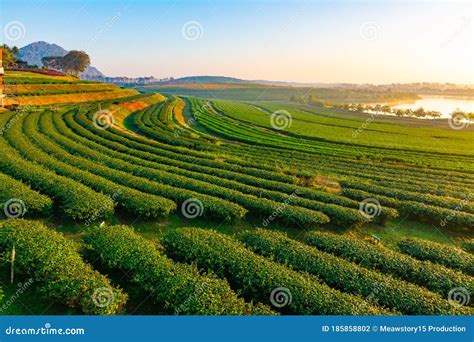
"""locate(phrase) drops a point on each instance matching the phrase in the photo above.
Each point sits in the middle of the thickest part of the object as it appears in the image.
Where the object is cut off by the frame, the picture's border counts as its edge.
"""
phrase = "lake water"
(444, 105)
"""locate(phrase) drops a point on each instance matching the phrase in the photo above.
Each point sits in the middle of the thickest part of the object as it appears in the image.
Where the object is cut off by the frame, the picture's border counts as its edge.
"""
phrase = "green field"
(195, 205)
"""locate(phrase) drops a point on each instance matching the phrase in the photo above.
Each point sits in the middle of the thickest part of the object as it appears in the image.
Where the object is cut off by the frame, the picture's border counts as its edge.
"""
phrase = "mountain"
(34, 52)
(91, 72)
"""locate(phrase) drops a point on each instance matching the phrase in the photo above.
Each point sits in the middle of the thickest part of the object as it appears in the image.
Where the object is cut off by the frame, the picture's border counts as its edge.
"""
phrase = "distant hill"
(208, 79)
(233, 80)
(34, 52)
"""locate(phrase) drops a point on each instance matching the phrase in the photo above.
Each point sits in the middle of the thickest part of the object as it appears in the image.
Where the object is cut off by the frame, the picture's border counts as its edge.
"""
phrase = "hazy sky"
(305, 41)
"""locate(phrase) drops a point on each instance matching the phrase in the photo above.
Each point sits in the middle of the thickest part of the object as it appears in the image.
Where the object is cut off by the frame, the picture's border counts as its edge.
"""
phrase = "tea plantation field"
(115, 201)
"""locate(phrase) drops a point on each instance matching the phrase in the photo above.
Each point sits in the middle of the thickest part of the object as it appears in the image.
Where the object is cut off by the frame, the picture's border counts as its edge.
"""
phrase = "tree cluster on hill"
(9, 54)
(322, 96)
(73, 62)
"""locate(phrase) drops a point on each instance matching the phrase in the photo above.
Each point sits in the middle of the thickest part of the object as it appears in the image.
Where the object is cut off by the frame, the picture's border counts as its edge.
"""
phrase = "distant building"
(20, 64)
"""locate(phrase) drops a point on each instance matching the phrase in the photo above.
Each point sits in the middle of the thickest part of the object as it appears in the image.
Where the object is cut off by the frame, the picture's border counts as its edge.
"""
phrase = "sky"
(281, 40)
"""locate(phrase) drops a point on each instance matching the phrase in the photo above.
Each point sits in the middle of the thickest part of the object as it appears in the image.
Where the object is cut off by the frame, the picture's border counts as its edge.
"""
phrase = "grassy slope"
(28, 82)
(31, 303)
(394, 133)
(269, 93)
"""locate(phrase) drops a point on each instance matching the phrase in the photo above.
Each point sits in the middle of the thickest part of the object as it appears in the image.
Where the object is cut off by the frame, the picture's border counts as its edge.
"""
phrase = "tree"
(360, 108)
(53, 62)
(9, 54)
(399, 112)
(434, 114)
(75, 62)
(386, 109)
(420, 112)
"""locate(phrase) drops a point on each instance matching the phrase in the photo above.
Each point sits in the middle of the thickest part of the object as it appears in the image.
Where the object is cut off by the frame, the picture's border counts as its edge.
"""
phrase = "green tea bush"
(346, 276)
(434, 277)
(57, 268)
(257, 277)
(179, 288)
(438, 253)
(35, 204)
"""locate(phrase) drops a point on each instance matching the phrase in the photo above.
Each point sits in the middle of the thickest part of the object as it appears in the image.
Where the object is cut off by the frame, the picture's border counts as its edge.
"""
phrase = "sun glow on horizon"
(299, 41)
